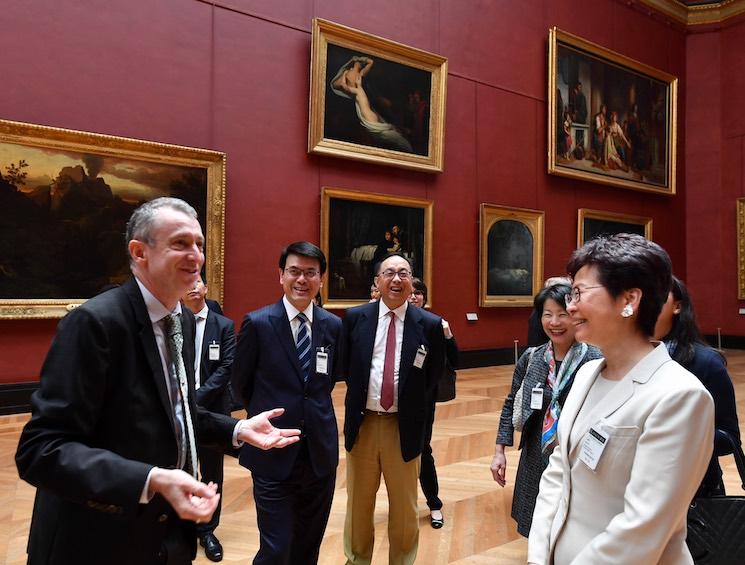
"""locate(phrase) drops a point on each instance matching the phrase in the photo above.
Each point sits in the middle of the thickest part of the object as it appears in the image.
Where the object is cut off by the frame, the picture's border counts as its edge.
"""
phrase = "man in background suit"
(114, 421)
(393, 357)
(287, 353)
(215, 348)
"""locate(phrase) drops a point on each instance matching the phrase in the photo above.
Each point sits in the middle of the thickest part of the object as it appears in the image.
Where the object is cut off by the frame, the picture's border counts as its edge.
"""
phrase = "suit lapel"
(281, 325)
(368, 327)
(211, 333)
(317, 333)
(572, 406)
(413, 332)
(149, 346)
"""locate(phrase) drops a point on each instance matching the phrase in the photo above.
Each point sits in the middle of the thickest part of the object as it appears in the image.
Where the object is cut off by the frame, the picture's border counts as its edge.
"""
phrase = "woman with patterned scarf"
(540, 384)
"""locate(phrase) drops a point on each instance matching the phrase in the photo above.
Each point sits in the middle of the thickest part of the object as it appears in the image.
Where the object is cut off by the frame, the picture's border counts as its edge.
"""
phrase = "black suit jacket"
(267, 373)
(415, 386)
(101, 419)
(214, 391)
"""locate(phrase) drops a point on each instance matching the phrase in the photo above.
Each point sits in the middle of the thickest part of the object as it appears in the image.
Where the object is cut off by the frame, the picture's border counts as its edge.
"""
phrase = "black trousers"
(292, 514)
(211, 469)
(427, 472)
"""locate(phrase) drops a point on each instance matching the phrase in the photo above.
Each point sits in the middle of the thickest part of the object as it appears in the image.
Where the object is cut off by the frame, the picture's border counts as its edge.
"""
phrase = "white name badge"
(214, 352)
(322, 362)
(592, 448)
(536, 398)
(421, 355)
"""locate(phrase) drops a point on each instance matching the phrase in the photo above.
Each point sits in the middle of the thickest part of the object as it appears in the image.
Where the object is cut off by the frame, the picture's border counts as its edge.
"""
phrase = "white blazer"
(632, 509)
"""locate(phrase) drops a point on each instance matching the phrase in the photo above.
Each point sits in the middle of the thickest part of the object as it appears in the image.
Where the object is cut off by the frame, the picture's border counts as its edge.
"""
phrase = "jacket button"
(162, 518)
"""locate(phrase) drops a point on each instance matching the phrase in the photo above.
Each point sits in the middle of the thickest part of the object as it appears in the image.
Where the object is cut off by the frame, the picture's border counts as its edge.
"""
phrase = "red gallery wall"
(233, 76)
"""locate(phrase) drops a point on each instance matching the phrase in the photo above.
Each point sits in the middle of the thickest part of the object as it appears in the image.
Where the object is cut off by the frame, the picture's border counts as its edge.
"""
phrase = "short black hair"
(626, 261)
(419, 285)
(304, 249)
(556, 292)
(395, 254)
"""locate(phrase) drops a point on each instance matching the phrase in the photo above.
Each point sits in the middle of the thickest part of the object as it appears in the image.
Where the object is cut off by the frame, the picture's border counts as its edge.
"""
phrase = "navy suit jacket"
(416, 386)
(214, 391)
(101, 420)
(267, 374)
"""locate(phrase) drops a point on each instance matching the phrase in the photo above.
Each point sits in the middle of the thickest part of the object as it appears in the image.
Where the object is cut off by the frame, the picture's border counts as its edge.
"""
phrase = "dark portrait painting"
(612, 118)
(376, 102)
(596, 223)
(65, 198)
(63, 216)
(510, 259)
(359, 230)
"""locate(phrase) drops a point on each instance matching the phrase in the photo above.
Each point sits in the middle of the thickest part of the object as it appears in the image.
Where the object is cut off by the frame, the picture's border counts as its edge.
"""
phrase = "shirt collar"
(292, 312)
(202, 314)
(400, 311)
(155, 309)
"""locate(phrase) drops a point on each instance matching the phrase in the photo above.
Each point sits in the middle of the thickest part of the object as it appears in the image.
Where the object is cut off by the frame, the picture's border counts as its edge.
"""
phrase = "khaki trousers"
(378, 451)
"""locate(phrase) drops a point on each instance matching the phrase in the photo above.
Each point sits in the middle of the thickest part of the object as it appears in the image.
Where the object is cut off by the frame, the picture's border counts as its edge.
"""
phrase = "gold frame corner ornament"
(489, 214)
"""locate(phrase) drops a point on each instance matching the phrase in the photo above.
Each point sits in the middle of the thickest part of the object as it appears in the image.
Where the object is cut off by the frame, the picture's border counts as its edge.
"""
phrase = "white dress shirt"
(378, 358)
(292, 313)
(201, 319)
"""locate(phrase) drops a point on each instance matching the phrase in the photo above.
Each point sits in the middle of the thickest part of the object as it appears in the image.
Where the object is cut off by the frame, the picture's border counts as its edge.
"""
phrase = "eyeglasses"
(403, 274)
(576, 293)
(295, 273)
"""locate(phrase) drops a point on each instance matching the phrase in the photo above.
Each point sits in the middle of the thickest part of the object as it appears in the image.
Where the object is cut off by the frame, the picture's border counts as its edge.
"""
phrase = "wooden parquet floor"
(478, 528)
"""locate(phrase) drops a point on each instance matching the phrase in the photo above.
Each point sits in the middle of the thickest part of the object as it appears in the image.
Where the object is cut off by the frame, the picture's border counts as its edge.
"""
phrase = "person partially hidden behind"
(110, 445)
(393, 357)
(287, 353)
(215, 348)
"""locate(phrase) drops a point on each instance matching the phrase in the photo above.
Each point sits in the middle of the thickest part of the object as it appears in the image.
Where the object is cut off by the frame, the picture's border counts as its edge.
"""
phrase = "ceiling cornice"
(704, 14)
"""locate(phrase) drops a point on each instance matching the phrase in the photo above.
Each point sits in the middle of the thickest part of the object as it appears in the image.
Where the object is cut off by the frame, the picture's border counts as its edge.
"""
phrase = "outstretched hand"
(259, 431)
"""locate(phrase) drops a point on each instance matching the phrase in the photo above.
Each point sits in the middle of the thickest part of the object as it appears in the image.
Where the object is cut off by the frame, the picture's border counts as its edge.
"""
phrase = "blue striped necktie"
(303, 345)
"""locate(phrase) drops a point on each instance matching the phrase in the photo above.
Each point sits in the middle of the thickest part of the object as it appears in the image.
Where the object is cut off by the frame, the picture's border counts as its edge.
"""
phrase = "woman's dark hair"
(304, 249)
(626, 261)
(684, 331)
(556, 292)
(419, 285)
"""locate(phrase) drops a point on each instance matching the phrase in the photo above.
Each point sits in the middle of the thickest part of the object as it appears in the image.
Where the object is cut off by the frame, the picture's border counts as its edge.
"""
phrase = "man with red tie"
(393, 357)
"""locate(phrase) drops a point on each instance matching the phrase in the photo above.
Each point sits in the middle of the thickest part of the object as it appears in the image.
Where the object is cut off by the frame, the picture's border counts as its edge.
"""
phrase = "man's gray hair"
(140, 224)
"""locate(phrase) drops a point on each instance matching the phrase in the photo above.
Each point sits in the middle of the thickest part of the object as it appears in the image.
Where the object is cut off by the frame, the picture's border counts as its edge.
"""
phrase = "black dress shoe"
(212, 547)
(437, 523)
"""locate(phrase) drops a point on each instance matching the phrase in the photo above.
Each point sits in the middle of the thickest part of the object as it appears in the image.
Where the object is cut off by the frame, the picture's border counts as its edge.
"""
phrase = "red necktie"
(386, 390)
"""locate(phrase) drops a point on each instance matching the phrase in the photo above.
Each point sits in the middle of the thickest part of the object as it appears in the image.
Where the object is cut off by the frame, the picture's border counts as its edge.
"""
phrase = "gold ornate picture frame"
(358, 229)
(511, 255)
(592, 223)
(65, 198)
(375, 100)
(611, 119)
(740, 248)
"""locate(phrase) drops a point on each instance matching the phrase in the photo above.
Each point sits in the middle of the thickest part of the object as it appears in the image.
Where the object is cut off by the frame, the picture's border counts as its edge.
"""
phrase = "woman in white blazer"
(636, 432)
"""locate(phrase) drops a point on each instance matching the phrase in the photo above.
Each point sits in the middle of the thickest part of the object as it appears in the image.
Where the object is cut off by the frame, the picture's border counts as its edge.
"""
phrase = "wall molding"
(712, 13)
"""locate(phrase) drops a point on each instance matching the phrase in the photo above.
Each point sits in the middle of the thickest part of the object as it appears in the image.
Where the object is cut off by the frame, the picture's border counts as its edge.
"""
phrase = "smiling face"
(168, 264)
(300, 288)
(558, 325)
(597, 315)
(394, 290)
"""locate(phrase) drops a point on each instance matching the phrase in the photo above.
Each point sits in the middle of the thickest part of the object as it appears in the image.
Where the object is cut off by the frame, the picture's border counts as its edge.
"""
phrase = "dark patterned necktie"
(178, 381)
(303, 345)
(389, 365)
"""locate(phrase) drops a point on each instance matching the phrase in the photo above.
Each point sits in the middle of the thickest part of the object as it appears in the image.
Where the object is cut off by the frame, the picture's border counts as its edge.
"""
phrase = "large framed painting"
(511, 255)
(741, 248)
(65, 198)
(611, 120)
(375, 100)
(594, 223)
(358, 229)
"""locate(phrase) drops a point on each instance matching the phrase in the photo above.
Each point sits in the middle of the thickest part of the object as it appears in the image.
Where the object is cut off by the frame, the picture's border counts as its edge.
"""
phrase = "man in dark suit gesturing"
(215, 348)
(394, 355)
(286, 353)
(111, 442)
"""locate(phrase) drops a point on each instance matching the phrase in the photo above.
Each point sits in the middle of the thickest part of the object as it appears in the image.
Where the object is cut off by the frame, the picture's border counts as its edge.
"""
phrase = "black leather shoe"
(436, 523)
(212, 547)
